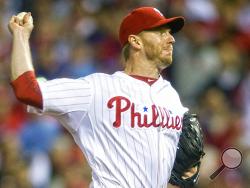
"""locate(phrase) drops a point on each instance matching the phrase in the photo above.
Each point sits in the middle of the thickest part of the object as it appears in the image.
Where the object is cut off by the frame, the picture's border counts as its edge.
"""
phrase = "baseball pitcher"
(127, 124)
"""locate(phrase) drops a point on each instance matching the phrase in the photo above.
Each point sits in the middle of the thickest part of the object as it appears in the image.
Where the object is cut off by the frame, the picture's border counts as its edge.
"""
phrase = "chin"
(167, 62)
(164, 65)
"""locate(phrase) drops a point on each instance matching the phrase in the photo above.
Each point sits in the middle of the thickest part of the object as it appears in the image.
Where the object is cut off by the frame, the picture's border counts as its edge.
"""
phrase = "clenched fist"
(21, 24)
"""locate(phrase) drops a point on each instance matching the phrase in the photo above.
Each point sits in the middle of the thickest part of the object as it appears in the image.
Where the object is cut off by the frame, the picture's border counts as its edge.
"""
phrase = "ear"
(135, 41)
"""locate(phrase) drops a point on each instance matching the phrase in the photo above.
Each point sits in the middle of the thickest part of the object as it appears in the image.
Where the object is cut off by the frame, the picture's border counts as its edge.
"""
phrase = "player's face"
(158, 46)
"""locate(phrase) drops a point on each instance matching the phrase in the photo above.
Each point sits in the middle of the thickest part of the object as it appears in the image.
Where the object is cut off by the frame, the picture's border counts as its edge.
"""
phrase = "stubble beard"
(166, 62)
(163, 62)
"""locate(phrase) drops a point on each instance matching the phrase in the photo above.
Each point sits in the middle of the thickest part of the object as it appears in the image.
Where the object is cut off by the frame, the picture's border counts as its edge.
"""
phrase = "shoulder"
(102, 77)
(174, 95)
(172, 92)
(96, 76)
(167, 84)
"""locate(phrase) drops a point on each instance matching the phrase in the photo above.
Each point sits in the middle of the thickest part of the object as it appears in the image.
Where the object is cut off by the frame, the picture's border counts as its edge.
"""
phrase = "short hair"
(126, 51)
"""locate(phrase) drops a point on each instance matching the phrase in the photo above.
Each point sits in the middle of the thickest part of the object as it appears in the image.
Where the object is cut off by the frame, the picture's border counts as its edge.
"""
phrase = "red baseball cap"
(144, 18)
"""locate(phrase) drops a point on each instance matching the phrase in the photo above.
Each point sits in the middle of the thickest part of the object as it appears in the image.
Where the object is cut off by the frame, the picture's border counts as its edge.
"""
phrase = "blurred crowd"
(73, 38)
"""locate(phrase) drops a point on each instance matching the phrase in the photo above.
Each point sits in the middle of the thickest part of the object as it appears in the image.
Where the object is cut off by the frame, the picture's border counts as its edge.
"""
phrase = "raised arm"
(21, 27)
(23, 76)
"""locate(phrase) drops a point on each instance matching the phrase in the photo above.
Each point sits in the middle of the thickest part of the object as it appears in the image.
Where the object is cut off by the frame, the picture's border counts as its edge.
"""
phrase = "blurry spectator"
(37, 138)
(197, 59)
(245, 102)
(12, 115)
(71, 170)
(38, 129)
(203, 11)
(13, 170)
(220, 122)
(82, 61)
(230, 75)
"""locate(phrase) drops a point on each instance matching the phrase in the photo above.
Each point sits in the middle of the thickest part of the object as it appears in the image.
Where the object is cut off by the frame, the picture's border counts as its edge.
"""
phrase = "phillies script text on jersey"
(166, 119)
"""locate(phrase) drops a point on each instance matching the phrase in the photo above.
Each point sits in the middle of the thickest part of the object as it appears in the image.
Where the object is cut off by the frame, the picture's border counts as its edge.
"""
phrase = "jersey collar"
(132, 78)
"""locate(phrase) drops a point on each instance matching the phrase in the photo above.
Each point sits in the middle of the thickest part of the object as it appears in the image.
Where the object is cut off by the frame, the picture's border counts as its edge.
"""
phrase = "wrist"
(20, 35)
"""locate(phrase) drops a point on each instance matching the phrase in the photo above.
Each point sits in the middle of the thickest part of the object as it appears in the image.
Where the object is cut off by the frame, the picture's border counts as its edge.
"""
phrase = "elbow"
(21, 96)
(27, 90)
(29, 97)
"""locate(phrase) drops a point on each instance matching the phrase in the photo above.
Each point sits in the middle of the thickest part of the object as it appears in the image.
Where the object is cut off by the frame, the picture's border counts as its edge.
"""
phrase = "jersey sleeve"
(67, 100)
(26, 89)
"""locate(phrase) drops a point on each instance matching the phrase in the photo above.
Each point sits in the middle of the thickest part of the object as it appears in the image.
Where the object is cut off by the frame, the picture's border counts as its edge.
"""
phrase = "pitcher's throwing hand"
(21, 23)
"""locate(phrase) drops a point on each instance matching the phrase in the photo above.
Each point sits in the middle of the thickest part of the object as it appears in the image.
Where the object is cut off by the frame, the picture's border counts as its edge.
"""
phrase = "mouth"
(168, 48)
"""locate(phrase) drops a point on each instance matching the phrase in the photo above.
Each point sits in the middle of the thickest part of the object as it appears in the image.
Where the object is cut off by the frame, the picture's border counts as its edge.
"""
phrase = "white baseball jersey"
(127, 129)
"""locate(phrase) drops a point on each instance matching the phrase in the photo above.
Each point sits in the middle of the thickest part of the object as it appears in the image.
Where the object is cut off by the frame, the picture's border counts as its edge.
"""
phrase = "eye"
(165, 32)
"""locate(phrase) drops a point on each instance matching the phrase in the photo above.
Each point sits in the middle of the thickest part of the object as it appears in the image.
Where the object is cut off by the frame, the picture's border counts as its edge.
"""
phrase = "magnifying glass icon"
(231, 158)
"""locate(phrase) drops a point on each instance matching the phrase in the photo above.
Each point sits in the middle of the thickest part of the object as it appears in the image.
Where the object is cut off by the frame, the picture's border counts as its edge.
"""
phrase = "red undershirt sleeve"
(27, 90)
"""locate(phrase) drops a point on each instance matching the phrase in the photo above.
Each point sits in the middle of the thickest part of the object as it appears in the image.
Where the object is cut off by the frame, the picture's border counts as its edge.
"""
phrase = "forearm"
(21, 61)
(23, 76)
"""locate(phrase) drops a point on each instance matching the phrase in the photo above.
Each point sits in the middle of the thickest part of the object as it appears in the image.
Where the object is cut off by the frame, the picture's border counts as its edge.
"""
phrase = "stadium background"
(73, 38)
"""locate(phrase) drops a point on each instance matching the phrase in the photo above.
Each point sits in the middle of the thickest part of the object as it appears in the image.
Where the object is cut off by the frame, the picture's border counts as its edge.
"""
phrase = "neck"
(141, 68)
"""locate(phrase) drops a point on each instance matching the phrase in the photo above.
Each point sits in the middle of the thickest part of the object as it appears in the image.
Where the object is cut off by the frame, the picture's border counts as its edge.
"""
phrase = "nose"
(168, 37)
(171, 39)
